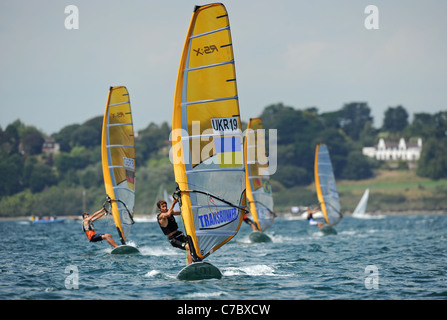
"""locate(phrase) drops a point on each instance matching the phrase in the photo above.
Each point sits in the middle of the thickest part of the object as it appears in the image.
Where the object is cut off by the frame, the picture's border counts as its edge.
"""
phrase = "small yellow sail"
(118, 159)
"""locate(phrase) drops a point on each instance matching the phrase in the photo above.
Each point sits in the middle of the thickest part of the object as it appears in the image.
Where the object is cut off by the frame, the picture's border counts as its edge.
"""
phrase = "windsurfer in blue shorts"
(311, 219)
(169, 226)
(89, 229)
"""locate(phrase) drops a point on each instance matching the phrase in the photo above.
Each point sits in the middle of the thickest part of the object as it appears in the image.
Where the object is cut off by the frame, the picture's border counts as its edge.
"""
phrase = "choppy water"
(394, 258)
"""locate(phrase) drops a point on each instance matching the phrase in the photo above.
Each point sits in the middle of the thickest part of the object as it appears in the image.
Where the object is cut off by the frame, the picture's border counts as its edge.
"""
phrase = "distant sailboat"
(361, 206)
(118, 163)
(326, 188)
(207, 139)
(360, 210)
(259, 191)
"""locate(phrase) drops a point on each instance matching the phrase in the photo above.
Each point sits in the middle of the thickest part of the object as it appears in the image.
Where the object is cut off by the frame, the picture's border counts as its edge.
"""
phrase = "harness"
(90, 227)
(89, 231)
(172, 225)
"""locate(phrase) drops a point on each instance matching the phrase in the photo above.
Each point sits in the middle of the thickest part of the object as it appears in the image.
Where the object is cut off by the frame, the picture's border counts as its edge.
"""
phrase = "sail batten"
(118, 104)
(208, 100)
(118, 159)
(120, 146)
(209, 32)
(120, 124)
(211, 183)
(211, 65)
(212, 170)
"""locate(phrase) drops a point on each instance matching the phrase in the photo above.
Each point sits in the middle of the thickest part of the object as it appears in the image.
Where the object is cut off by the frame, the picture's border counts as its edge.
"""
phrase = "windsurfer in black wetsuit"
(169, 226)
(250, 222)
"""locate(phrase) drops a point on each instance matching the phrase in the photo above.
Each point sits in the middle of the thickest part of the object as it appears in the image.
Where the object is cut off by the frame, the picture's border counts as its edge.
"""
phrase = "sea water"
(389, 258)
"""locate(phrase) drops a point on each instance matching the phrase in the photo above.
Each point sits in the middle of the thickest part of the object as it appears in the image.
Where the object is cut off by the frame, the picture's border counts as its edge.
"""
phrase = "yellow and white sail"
(326, 187)
(207, 144)
(259, 191)
(118, 159)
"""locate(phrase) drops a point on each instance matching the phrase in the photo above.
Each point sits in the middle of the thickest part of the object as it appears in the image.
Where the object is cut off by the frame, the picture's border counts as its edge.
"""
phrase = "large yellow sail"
(259, 191)
(118, 159)
(207, 137)
(325, 186)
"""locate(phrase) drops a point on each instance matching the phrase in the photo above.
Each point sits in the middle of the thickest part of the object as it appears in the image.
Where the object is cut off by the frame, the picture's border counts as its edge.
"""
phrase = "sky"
(300, 53)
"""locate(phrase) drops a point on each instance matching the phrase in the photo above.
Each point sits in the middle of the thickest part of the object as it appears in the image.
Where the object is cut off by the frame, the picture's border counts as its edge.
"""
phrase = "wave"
(205, 295)
(158, 251)
(368, 216)
(157, 274)
(256, 270)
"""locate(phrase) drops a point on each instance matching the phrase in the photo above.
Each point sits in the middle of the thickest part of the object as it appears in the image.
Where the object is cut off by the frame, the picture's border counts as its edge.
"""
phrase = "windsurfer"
(89, 229)
(311, 219)
(169, 226)
(250, 222)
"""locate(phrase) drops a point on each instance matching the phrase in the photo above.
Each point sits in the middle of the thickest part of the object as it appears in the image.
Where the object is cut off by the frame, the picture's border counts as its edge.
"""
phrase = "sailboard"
(199, 271)
(258, 236)
(259, 190)
(326, 188)
(207, 144)
(118, 163)
(361, 206)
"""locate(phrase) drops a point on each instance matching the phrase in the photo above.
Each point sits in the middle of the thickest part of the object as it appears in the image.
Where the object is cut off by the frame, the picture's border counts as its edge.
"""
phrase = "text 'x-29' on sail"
(118, 159)
(207, 144)
(326, 187)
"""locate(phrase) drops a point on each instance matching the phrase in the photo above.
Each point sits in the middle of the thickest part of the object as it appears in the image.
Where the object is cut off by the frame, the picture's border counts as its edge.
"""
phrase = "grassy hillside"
(389, 191)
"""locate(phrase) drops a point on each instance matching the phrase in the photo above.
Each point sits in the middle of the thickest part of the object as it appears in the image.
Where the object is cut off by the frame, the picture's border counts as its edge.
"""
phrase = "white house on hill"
(394, 151)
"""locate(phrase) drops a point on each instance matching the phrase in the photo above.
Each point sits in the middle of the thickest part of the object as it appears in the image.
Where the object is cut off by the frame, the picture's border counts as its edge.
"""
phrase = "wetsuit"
(90, 233)
(248, 221)
(177, 239)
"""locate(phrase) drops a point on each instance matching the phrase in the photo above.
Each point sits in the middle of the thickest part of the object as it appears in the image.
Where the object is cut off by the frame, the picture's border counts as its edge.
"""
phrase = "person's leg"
(189, 254)
(109, 239)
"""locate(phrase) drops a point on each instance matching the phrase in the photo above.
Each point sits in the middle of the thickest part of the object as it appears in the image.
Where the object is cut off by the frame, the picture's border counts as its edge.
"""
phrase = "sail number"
(225, 125)
(206, 50)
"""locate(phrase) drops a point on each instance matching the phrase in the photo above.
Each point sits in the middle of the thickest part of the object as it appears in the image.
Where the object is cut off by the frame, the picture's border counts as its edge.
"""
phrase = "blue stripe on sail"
(227, 144)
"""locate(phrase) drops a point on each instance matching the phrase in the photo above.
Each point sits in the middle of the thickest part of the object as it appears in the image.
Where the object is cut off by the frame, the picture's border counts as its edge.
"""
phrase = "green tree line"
(44, 183)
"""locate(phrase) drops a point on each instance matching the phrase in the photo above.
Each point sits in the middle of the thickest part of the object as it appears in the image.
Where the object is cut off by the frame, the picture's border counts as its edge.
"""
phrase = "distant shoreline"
(348, 214)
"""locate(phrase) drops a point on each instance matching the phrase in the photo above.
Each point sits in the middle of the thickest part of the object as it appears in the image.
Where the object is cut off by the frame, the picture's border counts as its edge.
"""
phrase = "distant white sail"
(361, 206)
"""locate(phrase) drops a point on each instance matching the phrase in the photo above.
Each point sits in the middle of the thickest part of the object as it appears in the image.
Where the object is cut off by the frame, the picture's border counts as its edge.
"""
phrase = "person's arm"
(98, 214)
(171, 209)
